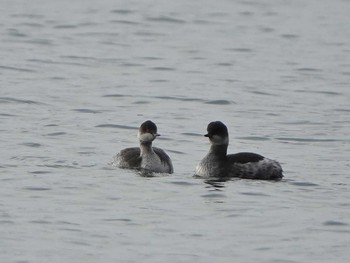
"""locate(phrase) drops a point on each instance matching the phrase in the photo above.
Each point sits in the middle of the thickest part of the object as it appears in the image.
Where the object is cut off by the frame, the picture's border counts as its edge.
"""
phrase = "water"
(79, 77)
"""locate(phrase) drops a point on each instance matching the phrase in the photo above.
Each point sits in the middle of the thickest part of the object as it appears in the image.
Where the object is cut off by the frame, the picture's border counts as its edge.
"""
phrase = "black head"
(217, 133)
(148, 127)
(147, 132)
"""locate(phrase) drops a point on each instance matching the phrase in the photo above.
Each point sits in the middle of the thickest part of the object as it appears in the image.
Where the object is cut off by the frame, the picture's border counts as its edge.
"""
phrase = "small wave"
(117, 220)
(308, 139)
(149, 58)
(254, 138)
(116, 126)
(125, 22)
(7, 115)
(173, 151)
(182, 183)
(2, 222)
(301, 122)
(115, 96)
(192, 134)
(30, 24)
(214, 195)
(324, 92)
(122, 11)
(166, 19)
(65, 26)
(31, 16)
(16, 33)
(59, 166)
(342, 110)
(18, 69)
(177, 98)
(304, 184)
(308, 69)
(86, 111)
(253, 194)
(243, 50)
(158, 80)
(56, 134)
(32, 144)
(163, 68)
(128, 64)
(41, 222)
(35, 188)
(289, 36)
(202, 22)
(224, 64)
(334, 223)
(218, 102)
(40, 172)
(14, 100)
(44, 42)
(261, 93)
(67, 223)
(141, 102)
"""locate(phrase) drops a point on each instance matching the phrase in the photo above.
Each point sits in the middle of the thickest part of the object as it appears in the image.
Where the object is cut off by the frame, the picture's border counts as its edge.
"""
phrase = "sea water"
(79, 77)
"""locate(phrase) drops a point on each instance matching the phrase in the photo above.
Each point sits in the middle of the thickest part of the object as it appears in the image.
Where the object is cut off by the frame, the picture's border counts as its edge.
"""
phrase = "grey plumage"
(247, 165)
(145, 157)
(131, 158)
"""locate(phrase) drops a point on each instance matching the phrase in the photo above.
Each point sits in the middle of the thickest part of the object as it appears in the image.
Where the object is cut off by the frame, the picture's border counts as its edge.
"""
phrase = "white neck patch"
(146, 137)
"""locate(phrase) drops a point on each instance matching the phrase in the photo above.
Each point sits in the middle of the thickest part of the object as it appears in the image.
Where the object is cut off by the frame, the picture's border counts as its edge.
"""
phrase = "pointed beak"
(156, 134)
(207, 135)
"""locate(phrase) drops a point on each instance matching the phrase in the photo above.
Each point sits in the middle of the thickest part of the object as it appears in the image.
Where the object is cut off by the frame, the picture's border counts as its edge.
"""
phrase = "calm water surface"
(78, 78)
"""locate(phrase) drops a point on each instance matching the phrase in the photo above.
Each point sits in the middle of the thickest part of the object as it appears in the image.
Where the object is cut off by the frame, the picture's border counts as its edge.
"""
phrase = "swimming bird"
(145, 157)
(218, 164)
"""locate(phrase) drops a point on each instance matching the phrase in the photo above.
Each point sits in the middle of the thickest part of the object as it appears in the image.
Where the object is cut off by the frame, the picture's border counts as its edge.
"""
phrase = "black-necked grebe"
(218, 164)
(145, 157)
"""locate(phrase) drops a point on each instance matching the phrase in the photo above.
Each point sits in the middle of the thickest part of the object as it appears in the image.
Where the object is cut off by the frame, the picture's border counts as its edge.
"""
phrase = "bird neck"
(218, 150)
(146, 147)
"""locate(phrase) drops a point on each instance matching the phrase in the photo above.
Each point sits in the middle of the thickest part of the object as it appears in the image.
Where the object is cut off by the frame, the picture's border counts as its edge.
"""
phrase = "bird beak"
(206, 135)
(156, 134)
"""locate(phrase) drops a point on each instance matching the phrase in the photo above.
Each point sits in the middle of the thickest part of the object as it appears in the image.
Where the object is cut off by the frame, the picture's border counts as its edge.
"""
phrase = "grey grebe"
(218, 164)
(145, 157)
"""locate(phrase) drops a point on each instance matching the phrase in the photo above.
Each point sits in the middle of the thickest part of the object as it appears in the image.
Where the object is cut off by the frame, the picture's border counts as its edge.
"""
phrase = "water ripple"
(32, 144)
(178, 98)
(254, 138)
(40, 172)
(214, 195)
(309, 139)
(163, 68)
(187, 99)
(86, 111)
(122, 11)
(125, 22)
(304, 184)
(56, 134)
(116, 126)
(115, 96)
(166, 19)
(182, 183)
(192, 134)
(254, 194)
(18, 69)
(14, 100)
(35, 188)
(244, 50)
(309, 70)
(219, 102)
(334, 223)
(41, 222)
